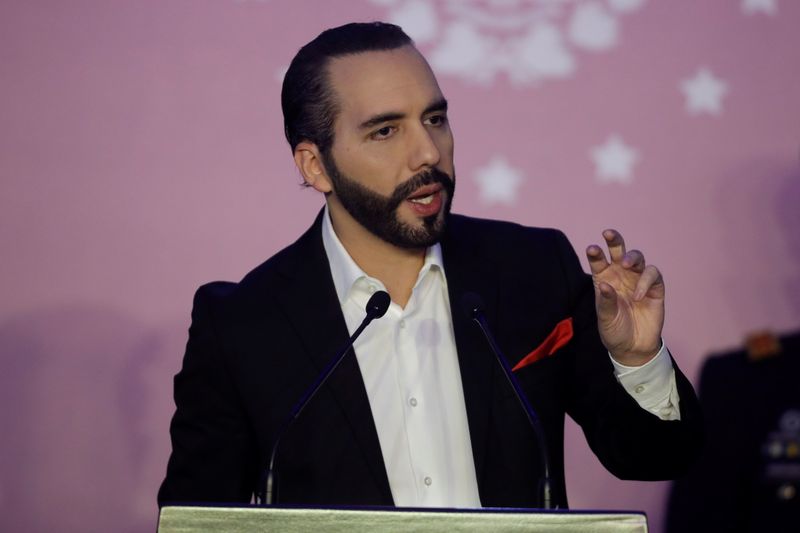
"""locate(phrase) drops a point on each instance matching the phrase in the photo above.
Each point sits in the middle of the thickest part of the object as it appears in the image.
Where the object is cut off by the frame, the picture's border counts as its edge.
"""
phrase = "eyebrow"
(438, 105)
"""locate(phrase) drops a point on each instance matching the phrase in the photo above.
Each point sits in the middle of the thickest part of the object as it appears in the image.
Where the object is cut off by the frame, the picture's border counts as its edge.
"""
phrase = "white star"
(704, 93)
(750, 7)
(592, 27)
(498, 182)
(614, 161)
(418, 18)
(624, 6)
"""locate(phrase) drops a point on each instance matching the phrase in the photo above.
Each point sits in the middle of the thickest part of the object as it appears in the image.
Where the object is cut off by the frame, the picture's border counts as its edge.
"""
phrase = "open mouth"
(424, 195)
(426, 200)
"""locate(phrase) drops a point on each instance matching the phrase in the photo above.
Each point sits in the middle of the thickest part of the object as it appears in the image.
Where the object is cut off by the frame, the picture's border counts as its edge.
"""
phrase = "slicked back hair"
(307, 98)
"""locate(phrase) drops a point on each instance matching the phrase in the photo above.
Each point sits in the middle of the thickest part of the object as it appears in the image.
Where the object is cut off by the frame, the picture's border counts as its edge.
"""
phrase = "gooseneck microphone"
(473, 307)
(376, 308)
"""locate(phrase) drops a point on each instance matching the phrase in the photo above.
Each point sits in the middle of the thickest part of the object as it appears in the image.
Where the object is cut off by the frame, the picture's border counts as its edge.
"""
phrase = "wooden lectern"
(189, 519)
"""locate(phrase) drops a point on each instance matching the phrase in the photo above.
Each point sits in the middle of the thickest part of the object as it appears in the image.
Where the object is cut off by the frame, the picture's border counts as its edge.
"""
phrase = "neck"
(397, 268)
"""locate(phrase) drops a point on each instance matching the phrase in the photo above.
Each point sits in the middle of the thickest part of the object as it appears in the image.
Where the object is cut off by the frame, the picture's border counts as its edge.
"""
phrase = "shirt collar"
(346, 272)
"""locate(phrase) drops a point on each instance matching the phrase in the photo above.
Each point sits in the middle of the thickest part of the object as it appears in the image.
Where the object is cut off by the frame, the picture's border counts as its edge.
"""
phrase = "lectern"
(190, 519)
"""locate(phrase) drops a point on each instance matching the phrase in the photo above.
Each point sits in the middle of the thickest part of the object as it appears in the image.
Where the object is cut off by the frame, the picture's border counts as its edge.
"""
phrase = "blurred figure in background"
(749, 475)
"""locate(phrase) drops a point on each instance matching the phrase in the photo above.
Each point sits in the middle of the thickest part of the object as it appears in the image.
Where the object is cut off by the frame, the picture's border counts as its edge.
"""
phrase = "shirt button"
(428, 481)
(413, 402)
(639, 389)
(402, 323)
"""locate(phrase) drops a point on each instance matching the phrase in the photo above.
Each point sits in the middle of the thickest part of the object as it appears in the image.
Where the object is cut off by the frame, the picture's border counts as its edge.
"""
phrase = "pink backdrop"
(141, 154)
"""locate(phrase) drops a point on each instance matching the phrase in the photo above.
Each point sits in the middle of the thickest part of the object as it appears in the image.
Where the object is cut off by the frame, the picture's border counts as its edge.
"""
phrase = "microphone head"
(472, 305)
(378, 304)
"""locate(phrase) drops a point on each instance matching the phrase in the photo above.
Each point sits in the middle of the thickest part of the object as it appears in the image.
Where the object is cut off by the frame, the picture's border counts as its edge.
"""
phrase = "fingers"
(606, 298)
(616, 245)
(616, 251)
(634, 260)
(597, 259)
(650, 281)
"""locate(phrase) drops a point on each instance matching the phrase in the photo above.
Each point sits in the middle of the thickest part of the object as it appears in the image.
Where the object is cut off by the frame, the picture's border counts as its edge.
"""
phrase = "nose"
(423, 151)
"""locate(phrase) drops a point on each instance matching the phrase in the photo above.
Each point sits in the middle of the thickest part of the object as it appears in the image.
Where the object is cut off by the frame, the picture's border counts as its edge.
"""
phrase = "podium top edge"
(459, 510)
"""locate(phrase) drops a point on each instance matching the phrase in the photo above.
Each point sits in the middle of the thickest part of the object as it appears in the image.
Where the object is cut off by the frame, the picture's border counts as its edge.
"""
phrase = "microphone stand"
(473, 306)
(376, 308)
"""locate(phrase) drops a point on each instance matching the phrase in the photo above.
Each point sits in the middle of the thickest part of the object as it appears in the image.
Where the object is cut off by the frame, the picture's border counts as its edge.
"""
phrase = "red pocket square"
(560, 336)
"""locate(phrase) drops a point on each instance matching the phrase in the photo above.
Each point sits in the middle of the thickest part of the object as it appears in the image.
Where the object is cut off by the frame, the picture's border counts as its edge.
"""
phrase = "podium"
(190, 519)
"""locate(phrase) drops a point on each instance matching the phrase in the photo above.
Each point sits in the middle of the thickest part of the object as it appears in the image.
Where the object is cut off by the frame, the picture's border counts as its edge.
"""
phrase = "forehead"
(372, 83)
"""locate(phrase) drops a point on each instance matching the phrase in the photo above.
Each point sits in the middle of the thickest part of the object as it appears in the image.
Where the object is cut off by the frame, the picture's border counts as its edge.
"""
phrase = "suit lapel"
(468, 272)
(310, 300)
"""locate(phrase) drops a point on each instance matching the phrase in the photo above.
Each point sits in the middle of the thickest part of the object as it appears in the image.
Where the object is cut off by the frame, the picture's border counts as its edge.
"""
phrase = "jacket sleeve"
(212, 456)
(630, 442)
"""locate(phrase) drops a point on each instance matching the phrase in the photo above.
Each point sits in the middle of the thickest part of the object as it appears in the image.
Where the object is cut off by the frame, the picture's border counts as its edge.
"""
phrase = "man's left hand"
(629, 298)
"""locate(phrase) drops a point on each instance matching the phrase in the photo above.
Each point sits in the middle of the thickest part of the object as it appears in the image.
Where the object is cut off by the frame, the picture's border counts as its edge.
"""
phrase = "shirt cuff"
(652, 385)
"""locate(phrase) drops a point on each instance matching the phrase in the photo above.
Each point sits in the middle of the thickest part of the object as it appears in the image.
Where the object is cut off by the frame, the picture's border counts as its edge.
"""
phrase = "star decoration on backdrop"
(751, 7)
(498, 182)
(528, 41)
(626, 5)
(704, 93)
(614, 161)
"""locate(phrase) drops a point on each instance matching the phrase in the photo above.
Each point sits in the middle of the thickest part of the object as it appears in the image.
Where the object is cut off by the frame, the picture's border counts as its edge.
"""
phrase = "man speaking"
(419, 413)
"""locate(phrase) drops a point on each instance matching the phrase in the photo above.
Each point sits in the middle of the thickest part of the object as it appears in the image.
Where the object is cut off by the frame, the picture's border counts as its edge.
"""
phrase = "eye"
(436, 120)
(383, 133)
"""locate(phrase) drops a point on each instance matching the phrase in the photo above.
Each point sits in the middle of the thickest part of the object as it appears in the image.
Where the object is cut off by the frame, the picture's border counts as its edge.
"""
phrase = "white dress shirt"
(410, 369)
(652, 385)
(409, 365)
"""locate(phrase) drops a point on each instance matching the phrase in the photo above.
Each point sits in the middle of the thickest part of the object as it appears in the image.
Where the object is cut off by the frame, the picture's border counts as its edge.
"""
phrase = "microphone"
(376, 307)
(472, 305)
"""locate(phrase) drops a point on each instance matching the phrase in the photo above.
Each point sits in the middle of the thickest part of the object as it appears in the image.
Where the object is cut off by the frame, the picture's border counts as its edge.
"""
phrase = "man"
(420, 415)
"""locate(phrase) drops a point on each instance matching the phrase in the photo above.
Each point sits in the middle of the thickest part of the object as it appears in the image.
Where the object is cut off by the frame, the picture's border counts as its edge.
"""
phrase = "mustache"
(426, 177)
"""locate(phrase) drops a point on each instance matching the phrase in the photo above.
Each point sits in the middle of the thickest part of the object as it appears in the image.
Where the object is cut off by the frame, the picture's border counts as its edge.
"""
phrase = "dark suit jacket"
(255, 346)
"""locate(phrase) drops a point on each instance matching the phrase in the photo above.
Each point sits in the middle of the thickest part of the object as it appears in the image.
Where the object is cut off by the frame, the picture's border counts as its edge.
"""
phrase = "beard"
(379, 214)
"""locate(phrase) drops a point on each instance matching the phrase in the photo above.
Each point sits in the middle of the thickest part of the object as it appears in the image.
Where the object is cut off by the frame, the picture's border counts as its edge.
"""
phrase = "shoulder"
(282, 270)
(499, 238)
(732, 362)
(720, 369)
(486, 226)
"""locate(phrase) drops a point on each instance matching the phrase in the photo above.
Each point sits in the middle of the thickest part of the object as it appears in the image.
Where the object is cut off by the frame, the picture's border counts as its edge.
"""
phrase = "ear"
(309, 162)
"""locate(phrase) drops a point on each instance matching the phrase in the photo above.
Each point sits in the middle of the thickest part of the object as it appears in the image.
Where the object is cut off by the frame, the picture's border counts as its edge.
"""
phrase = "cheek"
(357, 164)
(377, 173)
(446, 149)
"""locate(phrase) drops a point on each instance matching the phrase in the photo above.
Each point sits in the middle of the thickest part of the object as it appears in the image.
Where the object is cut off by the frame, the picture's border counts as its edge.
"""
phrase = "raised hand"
(629, 298)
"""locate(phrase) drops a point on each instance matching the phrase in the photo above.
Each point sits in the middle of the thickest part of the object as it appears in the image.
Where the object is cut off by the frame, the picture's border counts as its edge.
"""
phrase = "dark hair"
(309, 106)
